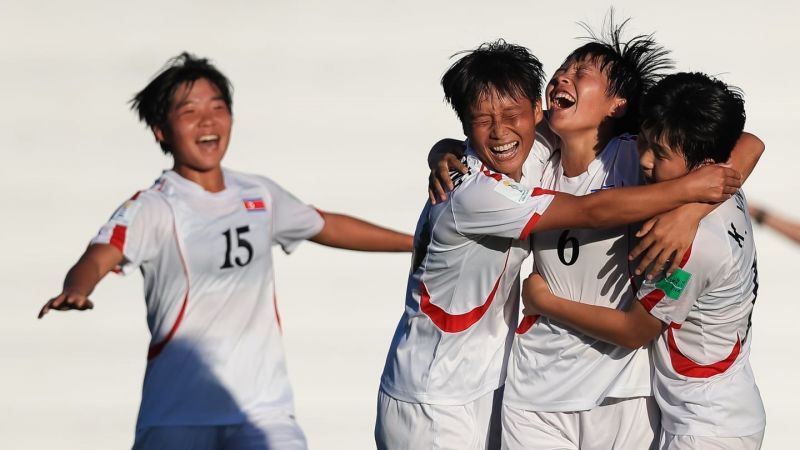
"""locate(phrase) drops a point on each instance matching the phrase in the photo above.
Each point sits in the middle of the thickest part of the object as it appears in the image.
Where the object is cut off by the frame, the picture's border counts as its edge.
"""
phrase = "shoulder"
(485, 190)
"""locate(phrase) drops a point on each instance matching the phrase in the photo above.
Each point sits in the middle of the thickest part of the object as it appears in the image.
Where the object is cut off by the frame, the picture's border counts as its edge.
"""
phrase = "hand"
(665, 238)
(713, 183)
(439, 181)
(534, 292)
(66, 301)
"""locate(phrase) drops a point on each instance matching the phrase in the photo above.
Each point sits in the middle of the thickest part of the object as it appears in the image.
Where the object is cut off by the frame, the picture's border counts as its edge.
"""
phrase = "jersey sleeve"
(138, 228)
(293, 220)
(535, 164)
(491, 204)
(669, 299)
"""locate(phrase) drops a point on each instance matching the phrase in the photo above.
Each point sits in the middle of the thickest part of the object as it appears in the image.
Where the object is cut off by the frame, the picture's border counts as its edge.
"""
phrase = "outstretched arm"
(667, 236)
(632, 328)
(94, 264)
(782, 225)
(613, 207)
(349, 233)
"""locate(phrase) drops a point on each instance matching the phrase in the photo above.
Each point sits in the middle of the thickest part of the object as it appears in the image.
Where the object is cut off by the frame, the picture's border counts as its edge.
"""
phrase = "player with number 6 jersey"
(441, 385)
(699, 317)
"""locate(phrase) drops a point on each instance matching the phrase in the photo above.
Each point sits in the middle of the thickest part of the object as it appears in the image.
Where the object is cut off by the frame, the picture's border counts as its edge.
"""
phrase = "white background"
(339, 102)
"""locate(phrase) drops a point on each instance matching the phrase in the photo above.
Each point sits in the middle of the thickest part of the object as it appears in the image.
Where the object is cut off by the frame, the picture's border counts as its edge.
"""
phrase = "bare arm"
(614, 207)
(94, 264)
(782, 225)
(349, 233)
(632, 328)
(667, 236)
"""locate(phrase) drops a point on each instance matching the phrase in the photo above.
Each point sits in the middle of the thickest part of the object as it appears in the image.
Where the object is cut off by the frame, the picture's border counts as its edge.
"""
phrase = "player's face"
(501, 130)
(199, 127)
(577, 98)
(658, 161)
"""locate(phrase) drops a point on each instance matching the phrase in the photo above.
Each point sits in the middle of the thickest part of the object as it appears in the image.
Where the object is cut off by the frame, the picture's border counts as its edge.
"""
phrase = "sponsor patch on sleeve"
(512, 191)
(124, 214)
(674, 284)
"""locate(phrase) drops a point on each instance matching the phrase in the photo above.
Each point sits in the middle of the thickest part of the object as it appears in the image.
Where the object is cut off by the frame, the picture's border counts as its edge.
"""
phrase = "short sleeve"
(495, 205)
(534, 165)
(138, 228)
(669, 299)
(294, 221)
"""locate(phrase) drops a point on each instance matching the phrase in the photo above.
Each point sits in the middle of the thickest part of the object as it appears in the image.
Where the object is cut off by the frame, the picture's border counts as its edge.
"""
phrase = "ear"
(619, 108)
(538, 114)
(158, 133)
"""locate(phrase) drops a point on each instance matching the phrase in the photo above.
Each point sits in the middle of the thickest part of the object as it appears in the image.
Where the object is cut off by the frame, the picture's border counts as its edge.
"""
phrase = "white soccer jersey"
(704, 384)
(216, 354)
(451, 345)
(555, 368)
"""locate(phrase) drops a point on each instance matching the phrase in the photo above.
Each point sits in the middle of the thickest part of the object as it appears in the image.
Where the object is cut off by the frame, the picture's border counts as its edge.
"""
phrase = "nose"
(498, 129)
(646, 159)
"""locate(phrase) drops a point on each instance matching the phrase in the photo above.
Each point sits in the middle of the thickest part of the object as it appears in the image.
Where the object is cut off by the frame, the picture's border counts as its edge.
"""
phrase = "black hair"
(631, 66)
(511, 70)
(154, 101)
(695, 115)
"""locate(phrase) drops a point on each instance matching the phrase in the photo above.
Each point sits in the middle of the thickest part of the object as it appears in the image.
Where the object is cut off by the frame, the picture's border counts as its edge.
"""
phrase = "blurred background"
(339, 102)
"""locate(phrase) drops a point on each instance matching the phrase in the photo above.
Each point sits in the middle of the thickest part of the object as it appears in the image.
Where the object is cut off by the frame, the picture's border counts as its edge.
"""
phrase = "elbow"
(633, 340)
(599, 218)
(755, 144)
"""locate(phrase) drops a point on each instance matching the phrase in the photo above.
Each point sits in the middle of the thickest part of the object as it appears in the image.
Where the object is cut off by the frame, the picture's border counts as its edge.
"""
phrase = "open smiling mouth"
(562, 100)
(208, 140)
(505, 150)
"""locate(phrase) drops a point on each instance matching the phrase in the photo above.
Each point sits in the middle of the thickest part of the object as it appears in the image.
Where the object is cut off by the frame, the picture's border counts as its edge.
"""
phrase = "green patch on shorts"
(674, 284)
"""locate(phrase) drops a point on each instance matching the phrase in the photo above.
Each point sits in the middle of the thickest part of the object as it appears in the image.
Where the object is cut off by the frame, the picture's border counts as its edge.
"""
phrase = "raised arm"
(349, 233)
(620, 206)
(632, 328)
(94, 264)
(671, 233)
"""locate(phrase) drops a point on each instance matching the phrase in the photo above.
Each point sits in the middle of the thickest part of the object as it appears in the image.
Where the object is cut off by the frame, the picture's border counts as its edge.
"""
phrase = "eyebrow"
(187, 101)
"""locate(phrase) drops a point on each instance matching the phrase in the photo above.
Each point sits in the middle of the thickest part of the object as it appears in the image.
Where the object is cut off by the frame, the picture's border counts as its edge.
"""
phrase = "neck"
(579, 149)
(210, 180)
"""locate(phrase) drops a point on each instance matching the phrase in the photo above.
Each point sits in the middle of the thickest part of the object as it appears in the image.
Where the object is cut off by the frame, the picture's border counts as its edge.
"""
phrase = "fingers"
(443, 172)
(642, 246)
(661, 260)
(53, 303)
(676, 263)
(646, 227)
(459, 166)
(66, 302)
(435, 190)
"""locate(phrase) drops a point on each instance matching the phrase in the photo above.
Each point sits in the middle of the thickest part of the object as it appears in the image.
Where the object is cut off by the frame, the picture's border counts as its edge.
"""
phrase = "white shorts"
(419, 426)
(275, 431)
(671, 441)
(624, 424)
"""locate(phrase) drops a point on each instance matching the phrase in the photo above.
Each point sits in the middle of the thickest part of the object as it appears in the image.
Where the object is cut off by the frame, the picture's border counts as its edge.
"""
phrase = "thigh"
(418, 426)
(272, 431)
(179, 438)
(539, 430)
(631, 423)
(670, 441)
